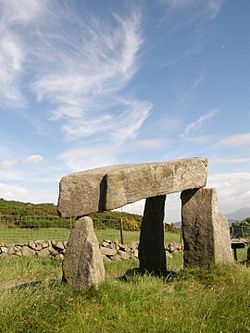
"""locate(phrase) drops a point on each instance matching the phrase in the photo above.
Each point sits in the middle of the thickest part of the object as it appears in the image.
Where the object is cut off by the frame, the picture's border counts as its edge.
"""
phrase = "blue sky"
(92, 83)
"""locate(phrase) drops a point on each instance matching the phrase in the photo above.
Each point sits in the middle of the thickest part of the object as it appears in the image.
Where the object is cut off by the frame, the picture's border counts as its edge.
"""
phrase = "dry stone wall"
(110, 249)
(38, 248)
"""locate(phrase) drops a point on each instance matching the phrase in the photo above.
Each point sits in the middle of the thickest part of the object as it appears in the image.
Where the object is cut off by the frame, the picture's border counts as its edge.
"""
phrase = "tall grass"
(214, 300)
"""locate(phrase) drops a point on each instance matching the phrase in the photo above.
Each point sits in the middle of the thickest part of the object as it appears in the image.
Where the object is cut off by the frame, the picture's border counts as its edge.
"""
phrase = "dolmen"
(205, 230)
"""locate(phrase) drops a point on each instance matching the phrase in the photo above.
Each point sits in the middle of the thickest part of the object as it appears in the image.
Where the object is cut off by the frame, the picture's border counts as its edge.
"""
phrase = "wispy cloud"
(86, 158)
(214, 7)
(198, 123)
(98, 154)
(208, 8)
(7, 169)
(12, 48)
(7, 165)
(78, 78)
(34, 159)
(85, 88)
(197, 82)
(12, 191)
(149, 144)
(177, 3)
(193, 18)
(119, 125)
(230, 160)
(185, 97)
(237, 140)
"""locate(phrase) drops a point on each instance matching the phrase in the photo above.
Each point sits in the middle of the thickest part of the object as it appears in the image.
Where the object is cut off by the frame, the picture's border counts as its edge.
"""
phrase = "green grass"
(25, 269)
(209, 301)
(15, 235)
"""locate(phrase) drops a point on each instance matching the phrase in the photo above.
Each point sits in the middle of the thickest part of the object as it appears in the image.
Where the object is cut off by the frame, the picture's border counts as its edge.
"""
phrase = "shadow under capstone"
(137, 271)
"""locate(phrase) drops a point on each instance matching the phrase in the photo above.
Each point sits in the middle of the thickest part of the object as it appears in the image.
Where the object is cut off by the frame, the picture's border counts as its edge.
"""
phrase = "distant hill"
(239, 214)
(26, 208)
(48, 209)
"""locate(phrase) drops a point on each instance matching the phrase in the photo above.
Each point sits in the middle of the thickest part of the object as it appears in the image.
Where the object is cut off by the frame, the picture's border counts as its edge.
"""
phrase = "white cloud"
(21, 11)
(78, 77)
(172, 208)
(118, 127)
(20, 193)
(197, 82)
(78, 159)
(193, 126)
(134, 208)
(233, 190)
(11, 61)
(214, 7)
(34, 159)
(7, 169)
(7, 165)
(237, 140)
(177, 3)
(229, 160)
(85, 87)
(12, 49)
(209, 8)
(11, 191)
(148, 144)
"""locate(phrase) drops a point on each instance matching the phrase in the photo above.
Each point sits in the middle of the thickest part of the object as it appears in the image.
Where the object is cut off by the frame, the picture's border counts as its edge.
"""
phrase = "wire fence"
(18, 229)
(14, 228)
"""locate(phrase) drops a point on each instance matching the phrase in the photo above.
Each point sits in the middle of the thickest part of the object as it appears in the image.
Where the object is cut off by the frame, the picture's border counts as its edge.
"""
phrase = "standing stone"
(205, 230)
(152, 254)
(83, 261)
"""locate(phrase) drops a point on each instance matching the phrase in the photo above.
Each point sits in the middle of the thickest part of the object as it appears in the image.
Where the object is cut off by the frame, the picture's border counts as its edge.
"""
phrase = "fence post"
(121, 230)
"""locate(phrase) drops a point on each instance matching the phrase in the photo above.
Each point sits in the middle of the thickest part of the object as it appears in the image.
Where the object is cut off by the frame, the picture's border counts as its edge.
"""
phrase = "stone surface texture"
(112, 187)
(205, 231)
(83, 262)
(152, 254)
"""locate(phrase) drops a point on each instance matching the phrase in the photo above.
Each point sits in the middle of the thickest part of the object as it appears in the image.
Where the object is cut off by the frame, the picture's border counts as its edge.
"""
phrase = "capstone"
(107, 188)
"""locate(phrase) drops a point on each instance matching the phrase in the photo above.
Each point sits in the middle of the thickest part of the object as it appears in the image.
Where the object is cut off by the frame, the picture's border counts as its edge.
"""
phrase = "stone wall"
(37, 248)
(111, 250)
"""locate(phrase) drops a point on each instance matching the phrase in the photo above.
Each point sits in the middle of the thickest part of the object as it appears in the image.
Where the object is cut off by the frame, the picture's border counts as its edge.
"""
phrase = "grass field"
(14, 235)
(209, 301)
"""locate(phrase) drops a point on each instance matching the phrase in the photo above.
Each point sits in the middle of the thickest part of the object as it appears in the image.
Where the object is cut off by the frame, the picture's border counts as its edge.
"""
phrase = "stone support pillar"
(205, 230)
(83, 262)
(152, 253)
